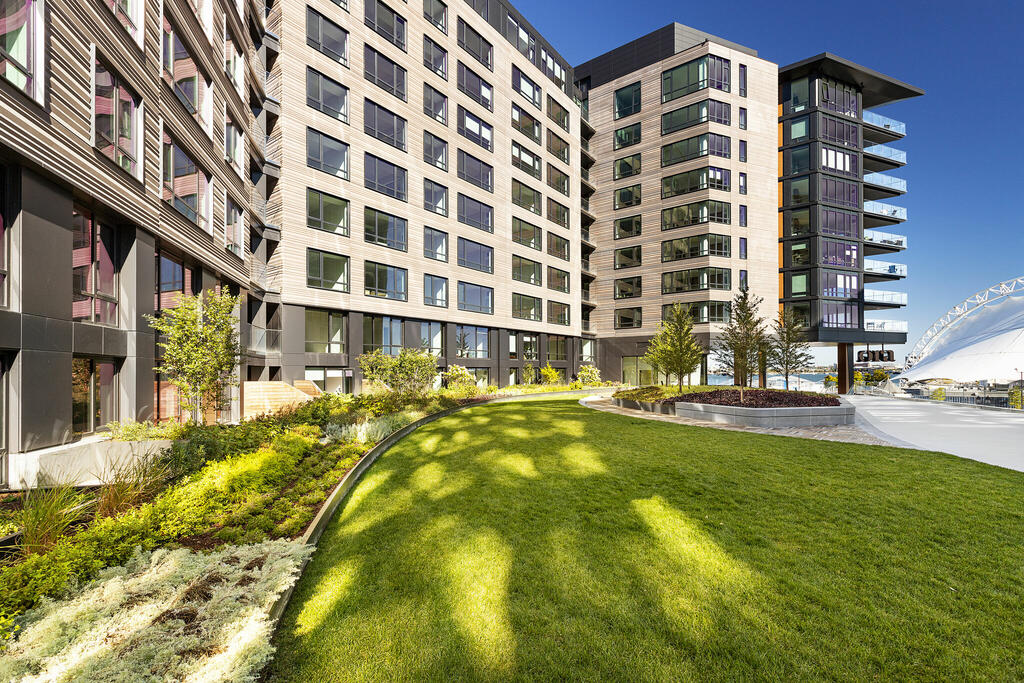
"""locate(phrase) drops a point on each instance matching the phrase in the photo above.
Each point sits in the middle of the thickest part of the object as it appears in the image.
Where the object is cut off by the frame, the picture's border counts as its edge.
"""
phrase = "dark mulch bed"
(756, 398)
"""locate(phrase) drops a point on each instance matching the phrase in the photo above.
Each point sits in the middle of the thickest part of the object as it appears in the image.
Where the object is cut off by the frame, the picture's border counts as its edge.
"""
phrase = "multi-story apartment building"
(686, 209)
(833, 153)
(429, 193)
(373, 174)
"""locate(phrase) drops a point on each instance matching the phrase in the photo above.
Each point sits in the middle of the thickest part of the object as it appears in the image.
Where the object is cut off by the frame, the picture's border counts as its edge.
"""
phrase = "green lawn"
(544, 540)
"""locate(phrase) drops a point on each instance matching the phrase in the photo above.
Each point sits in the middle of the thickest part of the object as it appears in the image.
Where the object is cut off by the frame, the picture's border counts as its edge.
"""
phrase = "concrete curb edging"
(765, 418)
(340, 493)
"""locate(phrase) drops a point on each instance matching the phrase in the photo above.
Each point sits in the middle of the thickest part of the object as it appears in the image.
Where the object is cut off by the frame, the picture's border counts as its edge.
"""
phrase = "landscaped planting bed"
(756, 398)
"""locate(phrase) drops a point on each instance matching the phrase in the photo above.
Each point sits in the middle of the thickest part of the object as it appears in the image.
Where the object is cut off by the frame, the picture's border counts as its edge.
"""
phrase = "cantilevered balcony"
(878, 242)
(878, 298)
(883, 158)
(882, 186)
(885, 326)
(882, 129)
(880, 271)
(877, 214)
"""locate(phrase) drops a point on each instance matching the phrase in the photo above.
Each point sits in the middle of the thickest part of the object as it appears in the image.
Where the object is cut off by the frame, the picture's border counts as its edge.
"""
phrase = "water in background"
(809, 381)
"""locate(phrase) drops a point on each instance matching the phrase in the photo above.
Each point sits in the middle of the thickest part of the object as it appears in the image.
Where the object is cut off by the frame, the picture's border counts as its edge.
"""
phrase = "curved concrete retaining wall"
(323, 517)
(766, 418)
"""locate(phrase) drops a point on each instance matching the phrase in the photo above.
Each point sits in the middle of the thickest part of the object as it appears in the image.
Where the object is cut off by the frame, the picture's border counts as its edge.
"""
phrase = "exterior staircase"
(260, 398)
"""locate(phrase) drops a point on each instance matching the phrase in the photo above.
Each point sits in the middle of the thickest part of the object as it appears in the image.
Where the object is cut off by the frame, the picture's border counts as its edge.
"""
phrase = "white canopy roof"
(985, 345)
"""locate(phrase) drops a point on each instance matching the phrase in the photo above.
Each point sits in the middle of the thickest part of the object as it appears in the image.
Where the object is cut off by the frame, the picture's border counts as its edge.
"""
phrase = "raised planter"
(82, 463)
(767, 418)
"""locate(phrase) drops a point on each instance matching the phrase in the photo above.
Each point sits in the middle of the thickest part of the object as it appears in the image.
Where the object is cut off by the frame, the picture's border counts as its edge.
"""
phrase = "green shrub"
(143, 431)
(939, 394)
(410, 372)
(529, 373)
(378, 403)
(589, 375)
(548, 375)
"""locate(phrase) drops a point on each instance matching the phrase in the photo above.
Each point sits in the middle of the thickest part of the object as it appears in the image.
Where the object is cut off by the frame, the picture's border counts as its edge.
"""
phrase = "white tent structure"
(980, 339)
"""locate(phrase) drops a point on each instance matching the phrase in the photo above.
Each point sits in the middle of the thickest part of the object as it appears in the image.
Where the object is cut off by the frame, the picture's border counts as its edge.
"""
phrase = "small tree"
(1016, 397)
(788, 348)
(410, 372)
(200, 349)
(549, 375)
(831, 381)
(878, 376)
(529, 373)
(674, 349)
(589, 375)
(743, 339)
(939, 394)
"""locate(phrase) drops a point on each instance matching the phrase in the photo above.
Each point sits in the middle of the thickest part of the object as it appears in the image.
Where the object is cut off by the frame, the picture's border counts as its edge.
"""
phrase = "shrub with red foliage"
(757, 398)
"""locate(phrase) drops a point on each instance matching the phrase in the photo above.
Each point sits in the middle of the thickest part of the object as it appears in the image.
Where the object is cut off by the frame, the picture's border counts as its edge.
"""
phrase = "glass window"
(326, 36)
(525, 87)
(626, 166)
(799, 254)
(799, 284)
(695, 279)
(707, 211)
(474, 43)
(626, 318)
(432, 336)
(838, 284)
(833, 222)
(435, 58)
(185, 185)
(326, 212)
(836, 253)
(476, 171)
(558, 280)
(798, 129)
(743, 118)
(525, 160)
(839, 192)
(799, 221)
(527, 234)
(476, 298)
(743, 183)
(696, 246)
(475, 255)
(558, 246)
(116, 119)
(525, 270)
(743, 80)
(435, 197)
(330, 380)
(691, 115)
(325, 331)
(627, 135)
(627, 227)
(529, 344)
(558, 114)
(93, 395)
(627, 257)
(838, 314)
(558, 213)
(234, 227)
(234, 60)
(743, 150)
(325, 270)
(627, 100)
(697, 146)
(384, 177)
(385, 229)
(435, 150)
(558, 347)
(558, 147)
(326, 154)
(94, 269)
(627, 196)
(128, 12)
(743, 247)
(525, 124)
(628, 288)
(383, 72)
(383, 333)
(384, 281)
(551, 68)
(386, 22)
(435, 104)
(436, 13)
(519, 37)
(558, 180)
(526, 197)
(475, 213)
(743, 215)
(708, 71)
(435, 290)
(384, 124)
(558, 313)
(181, 72)
(435, 244)
(710, 177)
(798, 190)
(475, 129)
(846, 133)
(839, 97)
(478, 90)
(471, 342)
(840, 161)
(797, 94)
(526, 307)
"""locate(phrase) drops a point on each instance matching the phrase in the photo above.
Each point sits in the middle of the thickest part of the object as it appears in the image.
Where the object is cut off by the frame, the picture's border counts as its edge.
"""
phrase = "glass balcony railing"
(885, 326)
(585, 203)
(883, 180)
(886, 238)
(888, 210)
(585, 234)
(585, 265)
(885, 122)
(878, 296)
(885, 268)
(886, 152)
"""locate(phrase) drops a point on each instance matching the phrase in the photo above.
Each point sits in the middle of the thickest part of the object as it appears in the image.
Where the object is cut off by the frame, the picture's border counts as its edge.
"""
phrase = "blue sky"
(964, 137)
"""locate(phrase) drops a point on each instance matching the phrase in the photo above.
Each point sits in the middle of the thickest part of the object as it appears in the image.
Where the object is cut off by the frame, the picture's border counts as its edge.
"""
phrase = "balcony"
(886, 326)
(883, 269)
(880, 128)
(262, 340)
(588, 326)
(883, 298)
(883, 158)
(586, 269)
(882, 186)
(586, 240)
(878, 242)
(879, 213)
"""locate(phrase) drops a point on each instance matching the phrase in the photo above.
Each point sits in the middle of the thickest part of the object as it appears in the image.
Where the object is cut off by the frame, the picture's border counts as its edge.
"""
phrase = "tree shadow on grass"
(544, 540)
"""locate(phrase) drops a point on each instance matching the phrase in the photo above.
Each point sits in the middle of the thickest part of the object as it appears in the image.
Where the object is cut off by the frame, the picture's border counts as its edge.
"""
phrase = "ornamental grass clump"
(48, 513)
(131, 483)
(165, 615)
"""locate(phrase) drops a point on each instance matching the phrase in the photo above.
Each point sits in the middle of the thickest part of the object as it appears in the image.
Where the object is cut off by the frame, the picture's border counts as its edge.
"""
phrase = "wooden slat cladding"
(760, 167)
(58, 141)
(288, 202)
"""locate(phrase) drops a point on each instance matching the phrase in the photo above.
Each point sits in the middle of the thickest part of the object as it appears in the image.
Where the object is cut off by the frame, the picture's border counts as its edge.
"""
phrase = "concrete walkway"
(992, 436)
